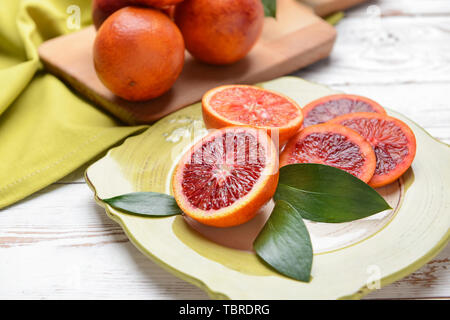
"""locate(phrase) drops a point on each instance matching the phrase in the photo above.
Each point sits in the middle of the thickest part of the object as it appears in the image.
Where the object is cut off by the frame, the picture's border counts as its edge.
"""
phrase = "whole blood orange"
(330, 107)
(227, 176)
(333, 145)
(242, 105)
(138, 53)
(393, 141)
(169, 11)
(158, 3)
(220, 32)
(102, 9)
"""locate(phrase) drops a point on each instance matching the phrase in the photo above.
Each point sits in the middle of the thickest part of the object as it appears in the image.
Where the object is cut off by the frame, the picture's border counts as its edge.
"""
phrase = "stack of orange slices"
(227, 176)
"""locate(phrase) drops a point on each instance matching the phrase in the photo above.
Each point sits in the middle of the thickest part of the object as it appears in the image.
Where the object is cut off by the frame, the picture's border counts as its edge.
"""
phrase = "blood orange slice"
(333, 145)
(227, 176)
(330, 107)
(241, 105)
(393, 141)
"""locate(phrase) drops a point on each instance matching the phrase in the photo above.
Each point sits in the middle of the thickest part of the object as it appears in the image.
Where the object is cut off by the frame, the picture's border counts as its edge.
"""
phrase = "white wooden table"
(59, 244)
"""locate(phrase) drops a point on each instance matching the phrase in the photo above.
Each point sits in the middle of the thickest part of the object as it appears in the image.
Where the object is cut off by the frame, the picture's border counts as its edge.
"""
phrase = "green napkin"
(46, 130)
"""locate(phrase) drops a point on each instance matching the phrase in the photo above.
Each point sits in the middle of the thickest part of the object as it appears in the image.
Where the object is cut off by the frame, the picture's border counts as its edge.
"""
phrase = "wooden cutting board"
(297, 38)
(325, 7)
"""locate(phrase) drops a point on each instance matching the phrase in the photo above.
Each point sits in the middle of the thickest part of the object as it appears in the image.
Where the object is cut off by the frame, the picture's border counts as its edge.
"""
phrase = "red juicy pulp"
(333, 108)
(328, 148)
(254, 107)
(387, 139)
(223, 170)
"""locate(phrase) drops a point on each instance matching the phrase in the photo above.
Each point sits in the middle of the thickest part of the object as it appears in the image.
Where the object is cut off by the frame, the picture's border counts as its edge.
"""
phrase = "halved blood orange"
(242, 105)
(330, 107)
(333, 145)
(227, 176)
(393, 141)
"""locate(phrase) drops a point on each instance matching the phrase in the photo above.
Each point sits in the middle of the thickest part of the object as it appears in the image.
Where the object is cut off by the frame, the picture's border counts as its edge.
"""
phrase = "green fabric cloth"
(46, 130)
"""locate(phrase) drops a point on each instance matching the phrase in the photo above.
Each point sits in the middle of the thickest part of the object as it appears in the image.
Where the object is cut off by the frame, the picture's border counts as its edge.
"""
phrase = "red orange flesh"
(392, 139)
(330, 107)
(227, 176)
(242, 105)
(333, 145)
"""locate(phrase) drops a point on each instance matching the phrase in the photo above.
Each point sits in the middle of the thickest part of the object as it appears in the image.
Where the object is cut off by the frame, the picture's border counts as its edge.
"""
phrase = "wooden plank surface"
(387, 50)
(403, 8)
(325, 7)
(59, 244)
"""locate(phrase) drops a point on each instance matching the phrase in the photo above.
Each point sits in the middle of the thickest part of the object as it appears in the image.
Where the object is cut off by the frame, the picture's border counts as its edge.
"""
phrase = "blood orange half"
(393, 141)
(332, 145)
(241, 105)
(227, 176)
(330, 107)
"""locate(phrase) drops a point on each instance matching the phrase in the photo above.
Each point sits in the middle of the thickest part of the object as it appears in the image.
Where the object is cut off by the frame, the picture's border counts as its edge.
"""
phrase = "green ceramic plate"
(349, 257)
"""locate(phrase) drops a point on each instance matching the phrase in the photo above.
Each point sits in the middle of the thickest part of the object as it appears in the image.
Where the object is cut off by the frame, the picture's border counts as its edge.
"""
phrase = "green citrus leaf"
(327, 194)
(145, 203)
(334, 18)
(270, 8)
(284, 243)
